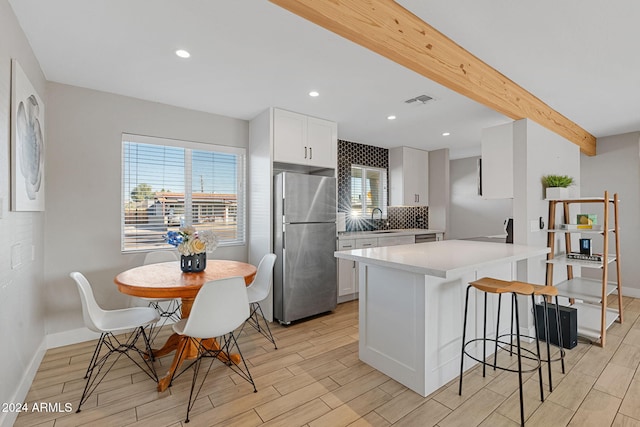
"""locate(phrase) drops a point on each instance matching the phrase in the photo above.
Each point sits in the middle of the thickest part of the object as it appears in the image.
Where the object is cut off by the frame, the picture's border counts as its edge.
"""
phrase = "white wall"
(84, 191)
(21, 312)
(616, 168)
(471, 215)
(538, 152)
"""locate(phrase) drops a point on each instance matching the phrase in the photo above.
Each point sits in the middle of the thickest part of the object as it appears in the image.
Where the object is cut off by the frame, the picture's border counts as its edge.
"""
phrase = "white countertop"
(387, 233)
(445, 258)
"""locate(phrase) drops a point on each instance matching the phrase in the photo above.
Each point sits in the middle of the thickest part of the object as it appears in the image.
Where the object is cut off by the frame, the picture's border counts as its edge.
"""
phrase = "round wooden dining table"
(166, 281)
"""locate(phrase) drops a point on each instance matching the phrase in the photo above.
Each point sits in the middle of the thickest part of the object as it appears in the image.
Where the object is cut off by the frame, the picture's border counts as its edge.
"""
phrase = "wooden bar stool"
(547, 292)
(489, 285)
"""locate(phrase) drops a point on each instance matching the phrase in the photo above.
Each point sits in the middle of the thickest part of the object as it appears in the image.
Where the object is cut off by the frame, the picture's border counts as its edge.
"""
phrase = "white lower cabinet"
(346, 277)
(348, 270)
(370, 242)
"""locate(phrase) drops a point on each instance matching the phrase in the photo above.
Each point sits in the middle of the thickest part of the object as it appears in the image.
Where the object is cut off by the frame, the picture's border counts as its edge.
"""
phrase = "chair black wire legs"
(172, 313)
(228, 346)
(254, 320)
(98, 367)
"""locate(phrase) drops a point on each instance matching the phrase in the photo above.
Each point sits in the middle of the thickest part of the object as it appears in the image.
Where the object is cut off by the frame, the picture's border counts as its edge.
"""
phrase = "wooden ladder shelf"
(594, 315)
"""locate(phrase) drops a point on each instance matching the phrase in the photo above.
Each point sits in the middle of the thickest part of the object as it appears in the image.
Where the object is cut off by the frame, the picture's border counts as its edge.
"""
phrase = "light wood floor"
(315, 379)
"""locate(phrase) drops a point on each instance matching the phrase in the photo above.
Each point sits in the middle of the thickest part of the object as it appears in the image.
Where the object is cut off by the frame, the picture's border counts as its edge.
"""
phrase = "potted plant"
(557, 186)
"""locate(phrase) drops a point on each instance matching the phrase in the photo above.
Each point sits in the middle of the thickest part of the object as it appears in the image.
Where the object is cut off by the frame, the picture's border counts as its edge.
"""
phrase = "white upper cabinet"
(322, 140)
(497, 162)
(409, 176)
(289, 135)
(303, 140)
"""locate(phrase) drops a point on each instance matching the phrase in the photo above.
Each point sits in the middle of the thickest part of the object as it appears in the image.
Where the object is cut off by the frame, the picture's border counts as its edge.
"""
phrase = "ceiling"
(578, 56)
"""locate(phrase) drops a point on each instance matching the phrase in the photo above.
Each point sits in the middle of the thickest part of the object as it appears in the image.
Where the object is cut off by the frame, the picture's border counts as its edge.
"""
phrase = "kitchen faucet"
(373, 211)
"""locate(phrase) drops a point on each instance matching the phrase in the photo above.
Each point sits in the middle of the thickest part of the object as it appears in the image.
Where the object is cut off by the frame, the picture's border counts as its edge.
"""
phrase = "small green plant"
(557, 181)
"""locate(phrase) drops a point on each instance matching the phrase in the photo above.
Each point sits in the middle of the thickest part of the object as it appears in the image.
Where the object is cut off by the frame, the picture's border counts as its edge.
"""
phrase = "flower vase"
(193, 263)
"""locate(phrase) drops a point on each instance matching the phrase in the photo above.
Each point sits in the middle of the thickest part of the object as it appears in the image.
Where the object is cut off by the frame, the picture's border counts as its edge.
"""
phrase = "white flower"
(192, 241)
(183, 248)
(209, 238)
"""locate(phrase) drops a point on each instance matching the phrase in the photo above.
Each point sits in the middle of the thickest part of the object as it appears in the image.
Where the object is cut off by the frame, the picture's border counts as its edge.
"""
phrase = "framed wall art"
(27, 143)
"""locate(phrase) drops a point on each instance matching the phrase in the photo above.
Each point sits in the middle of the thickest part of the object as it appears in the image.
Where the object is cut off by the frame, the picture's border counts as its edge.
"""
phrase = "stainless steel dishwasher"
(423, 238)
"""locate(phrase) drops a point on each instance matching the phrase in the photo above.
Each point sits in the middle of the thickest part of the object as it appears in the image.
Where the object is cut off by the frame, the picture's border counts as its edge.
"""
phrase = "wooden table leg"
(180, 356)
(186, 348)
(172, 344)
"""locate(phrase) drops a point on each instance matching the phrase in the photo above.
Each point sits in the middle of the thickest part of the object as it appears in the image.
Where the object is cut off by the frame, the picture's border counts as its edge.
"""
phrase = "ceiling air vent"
(422, 99)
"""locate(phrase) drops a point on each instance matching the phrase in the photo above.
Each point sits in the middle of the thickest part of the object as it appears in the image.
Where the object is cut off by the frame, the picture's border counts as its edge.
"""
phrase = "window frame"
(190, 146)
(382, 189)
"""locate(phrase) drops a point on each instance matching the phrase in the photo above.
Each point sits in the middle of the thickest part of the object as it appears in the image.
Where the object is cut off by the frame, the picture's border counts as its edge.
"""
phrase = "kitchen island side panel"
(411, 324)
(392, 323)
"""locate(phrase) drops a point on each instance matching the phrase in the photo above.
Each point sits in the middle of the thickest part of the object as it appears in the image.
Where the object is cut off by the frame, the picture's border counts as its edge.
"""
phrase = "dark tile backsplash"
(350, 153)
(408, 217)
(397, 216)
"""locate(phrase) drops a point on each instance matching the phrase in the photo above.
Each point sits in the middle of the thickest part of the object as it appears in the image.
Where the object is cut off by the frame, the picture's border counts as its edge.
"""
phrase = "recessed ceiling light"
(391, 117)
(313, 93)
(182, 53)
(446, 134)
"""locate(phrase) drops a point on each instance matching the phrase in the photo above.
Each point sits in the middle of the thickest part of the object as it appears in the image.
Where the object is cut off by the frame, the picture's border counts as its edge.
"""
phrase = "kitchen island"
(412, 304)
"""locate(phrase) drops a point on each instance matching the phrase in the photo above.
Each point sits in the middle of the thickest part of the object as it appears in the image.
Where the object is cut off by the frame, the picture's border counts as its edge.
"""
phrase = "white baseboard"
(348, 297)
(629, 292)
(73, 336)
(76, 336)
(7, 419)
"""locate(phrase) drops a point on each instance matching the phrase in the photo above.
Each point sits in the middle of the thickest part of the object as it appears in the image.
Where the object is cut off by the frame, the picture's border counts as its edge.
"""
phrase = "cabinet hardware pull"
(347, 246)
(305, 152)
(310, 153)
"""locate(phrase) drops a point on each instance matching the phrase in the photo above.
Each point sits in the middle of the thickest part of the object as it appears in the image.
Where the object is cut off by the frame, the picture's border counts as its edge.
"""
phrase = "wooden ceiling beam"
(390, 30)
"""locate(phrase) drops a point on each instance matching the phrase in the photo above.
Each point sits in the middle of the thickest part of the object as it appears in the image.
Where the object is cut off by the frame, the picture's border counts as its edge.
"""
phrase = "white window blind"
(168, 183)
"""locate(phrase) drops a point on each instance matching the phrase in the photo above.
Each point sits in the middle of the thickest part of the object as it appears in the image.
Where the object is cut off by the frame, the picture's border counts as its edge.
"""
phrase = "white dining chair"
(108, 323)
(258, 291)
(168, 309)
(219, 308)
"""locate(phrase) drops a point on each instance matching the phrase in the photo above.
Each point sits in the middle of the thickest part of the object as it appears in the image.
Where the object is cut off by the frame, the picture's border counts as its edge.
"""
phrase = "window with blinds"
(168, 183)
(368, 191)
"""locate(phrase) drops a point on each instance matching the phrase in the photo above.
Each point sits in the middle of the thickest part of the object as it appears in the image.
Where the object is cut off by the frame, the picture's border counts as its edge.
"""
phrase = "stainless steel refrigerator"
(305, 275)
